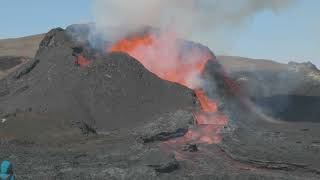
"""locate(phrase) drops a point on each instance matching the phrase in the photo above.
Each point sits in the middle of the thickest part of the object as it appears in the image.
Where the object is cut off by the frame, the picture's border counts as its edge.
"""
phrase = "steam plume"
(198, 20)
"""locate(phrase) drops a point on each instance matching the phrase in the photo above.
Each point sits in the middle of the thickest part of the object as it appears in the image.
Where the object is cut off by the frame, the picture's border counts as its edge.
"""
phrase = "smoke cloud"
(215, 23)
(199, 20)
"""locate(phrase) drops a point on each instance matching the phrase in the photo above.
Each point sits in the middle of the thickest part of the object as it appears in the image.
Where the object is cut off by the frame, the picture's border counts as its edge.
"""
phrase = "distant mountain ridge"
(28, 46)
(24, 46)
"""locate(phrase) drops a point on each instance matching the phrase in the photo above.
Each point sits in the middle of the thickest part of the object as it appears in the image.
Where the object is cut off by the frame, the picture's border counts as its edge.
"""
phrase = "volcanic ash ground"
(76, 112)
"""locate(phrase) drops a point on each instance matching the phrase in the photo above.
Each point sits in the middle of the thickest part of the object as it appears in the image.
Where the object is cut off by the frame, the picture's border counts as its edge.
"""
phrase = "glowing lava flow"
(163, 55)
(167, 57)
(206, 104)
(82, 61)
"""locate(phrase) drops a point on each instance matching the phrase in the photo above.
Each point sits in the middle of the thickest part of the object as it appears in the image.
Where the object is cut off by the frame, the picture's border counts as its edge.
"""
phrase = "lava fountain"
(175, 60)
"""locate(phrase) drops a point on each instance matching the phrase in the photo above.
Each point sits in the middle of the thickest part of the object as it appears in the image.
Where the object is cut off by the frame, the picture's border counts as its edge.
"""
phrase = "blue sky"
(292, 34)
(27, 17)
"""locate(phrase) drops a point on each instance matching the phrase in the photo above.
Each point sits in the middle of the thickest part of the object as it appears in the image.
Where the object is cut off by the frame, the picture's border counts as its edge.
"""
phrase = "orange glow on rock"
(82, 61)
(162, 54)
(212, 118)
(207, 105)
(165, 56)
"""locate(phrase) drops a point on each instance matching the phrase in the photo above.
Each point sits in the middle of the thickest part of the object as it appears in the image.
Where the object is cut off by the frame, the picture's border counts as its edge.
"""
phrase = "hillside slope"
(237, 64)
(24, 46)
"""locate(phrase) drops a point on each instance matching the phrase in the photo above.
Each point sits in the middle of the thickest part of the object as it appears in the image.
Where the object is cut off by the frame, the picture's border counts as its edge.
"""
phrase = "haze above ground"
(289, 35)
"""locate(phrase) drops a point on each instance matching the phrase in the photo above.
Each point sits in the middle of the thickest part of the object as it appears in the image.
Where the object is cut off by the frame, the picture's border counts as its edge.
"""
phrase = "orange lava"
(212, 118)
(208, 134)
(166, 57)
(162, 55)
(82, 61)
(130, 45)
(207, 105)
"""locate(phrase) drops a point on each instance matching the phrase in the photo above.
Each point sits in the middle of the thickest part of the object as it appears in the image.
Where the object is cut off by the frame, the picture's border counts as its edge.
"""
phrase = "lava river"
(170, 59)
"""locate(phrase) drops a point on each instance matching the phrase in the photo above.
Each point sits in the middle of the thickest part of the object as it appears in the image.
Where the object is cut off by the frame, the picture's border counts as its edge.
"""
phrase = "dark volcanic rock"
(116, 102)
(161, 162)
(168, 126)
(114, 92)
(284, 92)
(261, 78)
(291, 108)
(28, 68)
(7, 62)
(191, 148)
(164, 136)
(288, 95)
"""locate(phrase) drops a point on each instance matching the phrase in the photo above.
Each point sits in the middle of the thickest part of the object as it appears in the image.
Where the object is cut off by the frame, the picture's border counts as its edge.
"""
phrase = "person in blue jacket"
(6, 171)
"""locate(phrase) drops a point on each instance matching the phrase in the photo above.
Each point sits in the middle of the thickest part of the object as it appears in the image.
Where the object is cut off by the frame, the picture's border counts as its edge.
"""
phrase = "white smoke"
(203, 21)
(199, 20)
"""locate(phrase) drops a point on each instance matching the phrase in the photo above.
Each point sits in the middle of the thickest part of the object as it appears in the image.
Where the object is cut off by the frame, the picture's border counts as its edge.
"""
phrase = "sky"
(289, 35)
(292, 35)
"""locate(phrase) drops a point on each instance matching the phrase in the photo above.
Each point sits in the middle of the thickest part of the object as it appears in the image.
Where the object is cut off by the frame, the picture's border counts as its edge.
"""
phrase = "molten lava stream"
(209, 121)
(82, 61)
(207, 105)
(163, 55)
